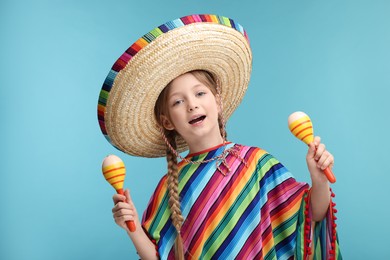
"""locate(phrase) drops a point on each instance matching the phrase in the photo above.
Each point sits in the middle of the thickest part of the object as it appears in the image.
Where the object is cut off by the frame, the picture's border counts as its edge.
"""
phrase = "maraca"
(114, 171)
(300, 125)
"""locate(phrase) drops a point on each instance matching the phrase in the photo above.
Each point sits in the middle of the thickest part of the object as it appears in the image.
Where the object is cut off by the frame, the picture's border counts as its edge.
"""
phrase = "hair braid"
(174, 200)
(222, 127)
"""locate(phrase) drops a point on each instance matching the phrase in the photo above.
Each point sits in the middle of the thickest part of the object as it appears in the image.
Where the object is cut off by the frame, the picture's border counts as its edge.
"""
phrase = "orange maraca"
(114, 172)
(301, 126)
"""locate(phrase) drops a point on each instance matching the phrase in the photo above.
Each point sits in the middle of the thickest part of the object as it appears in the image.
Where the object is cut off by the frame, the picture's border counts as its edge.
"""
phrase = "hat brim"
(128, 114)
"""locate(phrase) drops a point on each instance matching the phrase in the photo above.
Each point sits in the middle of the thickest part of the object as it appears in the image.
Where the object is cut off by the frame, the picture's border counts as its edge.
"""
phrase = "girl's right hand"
(124, 210)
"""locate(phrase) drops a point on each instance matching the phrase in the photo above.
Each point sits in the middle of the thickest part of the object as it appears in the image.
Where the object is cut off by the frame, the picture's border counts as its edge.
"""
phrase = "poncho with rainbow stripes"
(255, 211)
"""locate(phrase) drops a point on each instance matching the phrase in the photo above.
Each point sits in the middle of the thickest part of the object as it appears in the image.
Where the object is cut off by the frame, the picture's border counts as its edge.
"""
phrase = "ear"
(166, 123)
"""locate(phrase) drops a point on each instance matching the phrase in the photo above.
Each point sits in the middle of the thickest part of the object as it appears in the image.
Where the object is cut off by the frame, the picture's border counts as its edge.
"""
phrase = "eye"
(177, 102)
(201, 93)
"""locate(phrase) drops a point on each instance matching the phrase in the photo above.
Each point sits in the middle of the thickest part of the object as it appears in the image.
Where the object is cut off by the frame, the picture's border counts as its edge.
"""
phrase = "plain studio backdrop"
(330, 59)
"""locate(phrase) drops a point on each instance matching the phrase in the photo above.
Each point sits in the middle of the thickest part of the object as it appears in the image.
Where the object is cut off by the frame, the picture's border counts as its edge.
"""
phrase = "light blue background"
(330, 59)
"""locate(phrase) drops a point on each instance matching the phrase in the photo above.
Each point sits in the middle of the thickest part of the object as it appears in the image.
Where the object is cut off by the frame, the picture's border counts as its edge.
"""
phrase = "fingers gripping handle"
(130, 224)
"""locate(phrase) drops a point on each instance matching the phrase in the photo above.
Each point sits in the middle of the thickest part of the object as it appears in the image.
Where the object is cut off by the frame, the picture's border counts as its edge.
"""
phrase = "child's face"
(193, 109)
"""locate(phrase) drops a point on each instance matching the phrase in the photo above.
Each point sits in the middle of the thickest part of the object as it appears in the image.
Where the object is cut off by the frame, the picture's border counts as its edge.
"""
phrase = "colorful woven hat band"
(213, 43)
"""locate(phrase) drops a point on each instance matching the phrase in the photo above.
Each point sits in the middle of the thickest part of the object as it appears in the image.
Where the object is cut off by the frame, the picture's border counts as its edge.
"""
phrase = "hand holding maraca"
(318, 159)
(114, 172)
(124, 211)
(301, 126)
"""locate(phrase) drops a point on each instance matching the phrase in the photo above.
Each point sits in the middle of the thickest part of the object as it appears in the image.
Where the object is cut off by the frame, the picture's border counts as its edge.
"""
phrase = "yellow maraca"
(301, 127)
(114, 172)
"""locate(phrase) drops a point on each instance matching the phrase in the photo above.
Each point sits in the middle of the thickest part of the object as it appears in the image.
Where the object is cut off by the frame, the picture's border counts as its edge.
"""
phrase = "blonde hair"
(161, 108)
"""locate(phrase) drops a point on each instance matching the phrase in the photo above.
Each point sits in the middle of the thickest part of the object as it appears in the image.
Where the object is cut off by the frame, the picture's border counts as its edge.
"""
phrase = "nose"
(191, 105)
(192, 108)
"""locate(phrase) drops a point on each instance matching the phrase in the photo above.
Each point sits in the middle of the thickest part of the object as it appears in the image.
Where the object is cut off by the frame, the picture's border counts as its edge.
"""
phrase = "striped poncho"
(255, 211)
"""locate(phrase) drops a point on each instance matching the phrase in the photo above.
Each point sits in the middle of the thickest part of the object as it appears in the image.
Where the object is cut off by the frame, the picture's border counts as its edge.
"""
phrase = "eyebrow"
(177, 93)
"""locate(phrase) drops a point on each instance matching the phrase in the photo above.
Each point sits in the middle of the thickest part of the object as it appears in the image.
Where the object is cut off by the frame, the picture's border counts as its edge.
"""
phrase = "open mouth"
(196, 120)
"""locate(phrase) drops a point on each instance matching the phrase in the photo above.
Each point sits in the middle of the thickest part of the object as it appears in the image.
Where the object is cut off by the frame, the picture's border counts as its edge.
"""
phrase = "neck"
(204, 143)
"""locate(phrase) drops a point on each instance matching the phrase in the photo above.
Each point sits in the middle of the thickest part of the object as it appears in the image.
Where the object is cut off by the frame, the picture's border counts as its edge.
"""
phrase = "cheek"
(174, 115)
(215, 106)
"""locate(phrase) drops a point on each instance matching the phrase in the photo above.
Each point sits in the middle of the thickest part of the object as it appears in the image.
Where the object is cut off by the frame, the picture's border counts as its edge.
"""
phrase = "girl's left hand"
(318, 159)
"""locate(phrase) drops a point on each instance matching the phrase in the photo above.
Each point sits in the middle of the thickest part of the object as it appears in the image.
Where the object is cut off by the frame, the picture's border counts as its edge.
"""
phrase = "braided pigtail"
(222, 128)
(174, 200)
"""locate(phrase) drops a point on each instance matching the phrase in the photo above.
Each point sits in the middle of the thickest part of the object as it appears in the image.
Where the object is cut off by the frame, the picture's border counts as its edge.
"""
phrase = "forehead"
(184, 82)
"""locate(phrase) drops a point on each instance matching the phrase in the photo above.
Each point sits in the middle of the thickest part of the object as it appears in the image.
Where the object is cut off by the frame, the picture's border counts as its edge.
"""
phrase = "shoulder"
(161, 186)
(253, 155)
(257, 155)
(252, 150)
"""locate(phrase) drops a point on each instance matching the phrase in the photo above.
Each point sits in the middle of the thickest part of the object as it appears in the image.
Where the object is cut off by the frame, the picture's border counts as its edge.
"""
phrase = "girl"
(223, 200)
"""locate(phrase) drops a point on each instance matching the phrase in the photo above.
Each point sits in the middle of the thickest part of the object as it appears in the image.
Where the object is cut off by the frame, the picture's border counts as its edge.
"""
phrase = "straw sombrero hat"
(197, 42)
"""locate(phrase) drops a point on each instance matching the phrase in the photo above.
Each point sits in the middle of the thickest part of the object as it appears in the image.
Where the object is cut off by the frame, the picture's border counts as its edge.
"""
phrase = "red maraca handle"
(130, 224)
(329, 174)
